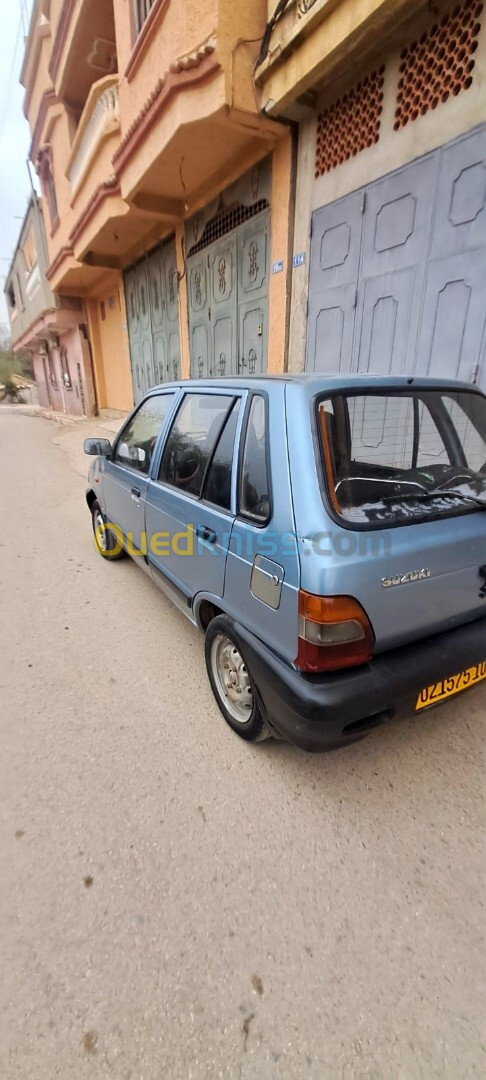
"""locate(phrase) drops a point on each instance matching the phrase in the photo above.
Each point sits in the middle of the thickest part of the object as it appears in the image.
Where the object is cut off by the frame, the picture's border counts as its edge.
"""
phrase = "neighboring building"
(166, 193)
(51, 328)
(390, 212)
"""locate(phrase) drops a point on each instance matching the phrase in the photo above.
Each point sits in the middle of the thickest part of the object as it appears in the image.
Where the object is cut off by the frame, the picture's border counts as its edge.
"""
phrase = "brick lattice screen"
(350, 124)
(438, 64)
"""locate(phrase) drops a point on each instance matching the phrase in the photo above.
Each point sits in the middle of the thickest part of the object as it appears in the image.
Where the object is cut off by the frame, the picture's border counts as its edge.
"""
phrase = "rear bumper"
(328, 711)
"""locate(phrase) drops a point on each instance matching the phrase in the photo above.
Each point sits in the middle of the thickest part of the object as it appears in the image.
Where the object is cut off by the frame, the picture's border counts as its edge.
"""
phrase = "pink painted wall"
(78, 399)
(74, 396)
(41, 381)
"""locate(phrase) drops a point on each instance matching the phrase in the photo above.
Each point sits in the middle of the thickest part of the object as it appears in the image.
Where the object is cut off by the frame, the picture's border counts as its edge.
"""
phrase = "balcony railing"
(100, 118)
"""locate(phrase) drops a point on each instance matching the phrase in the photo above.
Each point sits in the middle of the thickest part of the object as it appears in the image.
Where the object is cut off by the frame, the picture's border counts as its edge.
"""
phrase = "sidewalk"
(70, 432)
(110, 416)
(70, 438)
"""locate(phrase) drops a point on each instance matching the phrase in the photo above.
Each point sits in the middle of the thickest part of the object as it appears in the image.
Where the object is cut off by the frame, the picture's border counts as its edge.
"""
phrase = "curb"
(46, 414)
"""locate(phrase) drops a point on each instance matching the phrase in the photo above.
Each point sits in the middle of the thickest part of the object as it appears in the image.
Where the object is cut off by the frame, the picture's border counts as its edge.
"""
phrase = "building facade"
(237, 188)
(51, 328)
(390, 201)
(166, 192)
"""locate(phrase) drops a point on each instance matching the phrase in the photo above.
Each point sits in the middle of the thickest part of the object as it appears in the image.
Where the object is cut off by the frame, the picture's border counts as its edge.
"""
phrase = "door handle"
(203, 532)
(136, 491)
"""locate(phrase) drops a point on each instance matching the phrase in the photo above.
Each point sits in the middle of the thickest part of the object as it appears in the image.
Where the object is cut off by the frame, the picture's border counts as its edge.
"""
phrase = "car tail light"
(334, 632)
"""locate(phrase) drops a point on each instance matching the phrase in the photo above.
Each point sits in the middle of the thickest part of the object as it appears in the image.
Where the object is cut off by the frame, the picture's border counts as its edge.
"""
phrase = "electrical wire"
(279, 10)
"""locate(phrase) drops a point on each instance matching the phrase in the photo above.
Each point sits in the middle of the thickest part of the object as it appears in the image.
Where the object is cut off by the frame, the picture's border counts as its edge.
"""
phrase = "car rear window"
(254, 479)
(399, 456)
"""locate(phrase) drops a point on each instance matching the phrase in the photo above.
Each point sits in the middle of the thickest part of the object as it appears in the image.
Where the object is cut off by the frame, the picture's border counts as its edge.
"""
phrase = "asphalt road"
(176, 903)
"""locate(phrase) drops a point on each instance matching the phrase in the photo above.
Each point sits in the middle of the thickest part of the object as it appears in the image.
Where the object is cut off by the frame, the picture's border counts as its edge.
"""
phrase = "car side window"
(217, 486)
(254, 479)
(136, 444)
(193, 435)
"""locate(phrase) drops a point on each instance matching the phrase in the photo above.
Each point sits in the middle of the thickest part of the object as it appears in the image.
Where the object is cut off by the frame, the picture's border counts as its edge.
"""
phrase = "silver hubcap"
(232, 679)
(101, 536)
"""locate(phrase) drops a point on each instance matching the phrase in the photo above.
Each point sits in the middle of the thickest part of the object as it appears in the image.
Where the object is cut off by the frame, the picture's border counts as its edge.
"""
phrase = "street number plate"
(430, 695)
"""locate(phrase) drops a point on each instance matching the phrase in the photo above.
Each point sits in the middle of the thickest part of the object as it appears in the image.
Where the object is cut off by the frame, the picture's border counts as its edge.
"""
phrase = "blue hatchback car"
(327, 534)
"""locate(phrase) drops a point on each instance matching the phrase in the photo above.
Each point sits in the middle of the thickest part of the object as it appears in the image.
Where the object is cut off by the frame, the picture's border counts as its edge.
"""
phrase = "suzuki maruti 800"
(327, 535)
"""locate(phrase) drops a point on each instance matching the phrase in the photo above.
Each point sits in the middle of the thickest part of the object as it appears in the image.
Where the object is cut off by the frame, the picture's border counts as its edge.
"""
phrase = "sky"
(14, 135)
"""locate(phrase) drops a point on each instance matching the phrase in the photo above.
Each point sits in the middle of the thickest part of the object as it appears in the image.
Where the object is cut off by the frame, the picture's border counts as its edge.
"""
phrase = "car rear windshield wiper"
(461, 495)
(428, 495)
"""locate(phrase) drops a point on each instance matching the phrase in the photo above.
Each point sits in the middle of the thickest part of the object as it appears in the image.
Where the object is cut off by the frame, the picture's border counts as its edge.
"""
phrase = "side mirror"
(97, 447)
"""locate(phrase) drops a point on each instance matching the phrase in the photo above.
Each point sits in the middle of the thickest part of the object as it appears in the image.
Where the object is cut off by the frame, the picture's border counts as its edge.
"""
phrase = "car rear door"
(262, 571)
(189, 504)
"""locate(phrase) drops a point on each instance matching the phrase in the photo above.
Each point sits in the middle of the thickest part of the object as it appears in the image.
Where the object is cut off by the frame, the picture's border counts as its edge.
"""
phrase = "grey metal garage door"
(151, 290)
(398, 271)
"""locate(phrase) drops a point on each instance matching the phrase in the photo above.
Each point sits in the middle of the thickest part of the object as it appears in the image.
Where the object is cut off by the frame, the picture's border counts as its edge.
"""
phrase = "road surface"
(176, 903)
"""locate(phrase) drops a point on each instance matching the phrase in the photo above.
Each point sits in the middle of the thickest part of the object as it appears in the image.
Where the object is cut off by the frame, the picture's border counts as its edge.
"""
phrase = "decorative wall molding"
(65, 252)
(37, 32)
(60, 38)
(48, 100)
(108, 187)
(103, 56)
(185, 72)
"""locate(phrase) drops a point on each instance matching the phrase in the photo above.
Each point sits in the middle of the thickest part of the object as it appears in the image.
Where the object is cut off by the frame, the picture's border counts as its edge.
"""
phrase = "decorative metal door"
(253, 292)
(224, 305)
(171, 311)
(155, 271)
(145, 329)
(132, 302)
(228, 302)
(153, 319)
(398, 270)
(198, 301)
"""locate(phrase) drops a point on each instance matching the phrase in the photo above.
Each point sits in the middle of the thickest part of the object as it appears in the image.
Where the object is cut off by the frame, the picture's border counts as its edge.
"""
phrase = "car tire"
(232, 682)
(108, 551)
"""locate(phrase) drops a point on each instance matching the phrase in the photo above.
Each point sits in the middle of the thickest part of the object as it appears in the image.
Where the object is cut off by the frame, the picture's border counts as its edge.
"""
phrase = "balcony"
(99, 120)
(83, 49)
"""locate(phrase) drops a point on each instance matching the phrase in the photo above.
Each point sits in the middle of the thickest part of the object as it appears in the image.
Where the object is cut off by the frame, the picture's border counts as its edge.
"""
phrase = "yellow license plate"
(430, 695)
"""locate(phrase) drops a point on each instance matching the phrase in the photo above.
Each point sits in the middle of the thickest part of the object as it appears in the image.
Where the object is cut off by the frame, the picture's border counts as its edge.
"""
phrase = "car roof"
(316, 383)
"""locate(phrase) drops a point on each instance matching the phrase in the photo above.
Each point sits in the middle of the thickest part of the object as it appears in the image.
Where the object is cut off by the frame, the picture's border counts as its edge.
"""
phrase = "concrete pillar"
(281, 251)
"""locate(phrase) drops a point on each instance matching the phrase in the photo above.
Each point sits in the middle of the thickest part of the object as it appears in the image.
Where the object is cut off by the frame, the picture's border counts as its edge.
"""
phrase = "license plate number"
(431, 695)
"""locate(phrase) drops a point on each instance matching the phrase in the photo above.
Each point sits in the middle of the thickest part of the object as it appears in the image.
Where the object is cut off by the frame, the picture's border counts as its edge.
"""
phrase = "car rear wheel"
(232, 683)
(106, 542)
